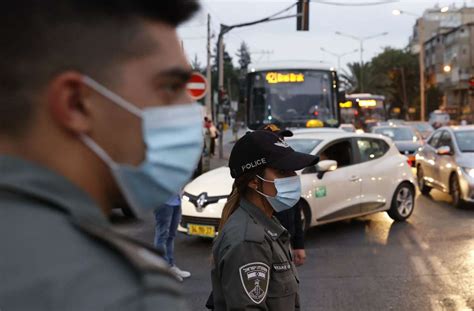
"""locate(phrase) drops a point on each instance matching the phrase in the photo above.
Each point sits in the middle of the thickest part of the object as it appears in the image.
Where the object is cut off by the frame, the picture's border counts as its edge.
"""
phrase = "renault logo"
(201, 201)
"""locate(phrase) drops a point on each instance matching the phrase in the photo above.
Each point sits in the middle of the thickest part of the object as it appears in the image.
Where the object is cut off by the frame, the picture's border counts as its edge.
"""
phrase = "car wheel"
(424, 189)
(403, 202)
(455, 191)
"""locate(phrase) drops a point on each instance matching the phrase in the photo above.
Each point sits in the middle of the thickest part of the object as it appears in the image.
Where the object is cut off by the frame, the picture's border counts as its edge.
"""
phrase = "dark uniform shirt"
(253, 268)
(58, 251)
(291, 220)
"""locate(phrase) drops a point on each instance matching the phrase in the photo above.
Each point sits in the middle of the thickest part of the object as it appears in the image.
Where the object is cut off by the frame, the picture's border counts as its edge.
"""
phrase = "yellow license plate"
(200, 230)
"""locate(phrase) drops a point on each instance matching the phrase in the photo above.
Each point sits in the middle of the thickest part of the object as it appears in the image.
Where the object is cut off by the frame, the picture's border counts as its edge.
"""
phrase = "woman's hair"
(239, 190)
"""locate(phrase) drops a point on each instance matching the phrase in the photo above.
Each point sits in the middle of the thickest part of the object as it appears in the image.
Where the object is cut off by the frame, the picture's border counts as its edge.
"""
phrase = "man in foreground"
(90, 93)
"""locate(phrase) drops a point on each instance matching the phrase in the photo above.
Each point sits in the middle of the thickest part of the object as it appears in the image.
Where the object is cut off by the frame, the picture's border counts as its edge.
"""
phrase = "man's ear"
(67, 102)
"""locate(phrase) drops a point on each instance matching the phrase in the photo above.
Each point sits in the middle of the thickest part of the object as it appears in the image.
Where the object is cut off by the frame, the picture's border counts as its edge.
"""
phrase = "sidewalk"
(228, 139)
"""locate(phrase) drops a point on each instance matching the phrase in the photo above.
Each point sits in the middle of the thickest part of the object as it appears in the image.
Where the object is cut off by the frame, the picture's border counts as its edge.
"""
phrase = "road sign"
(197, 86)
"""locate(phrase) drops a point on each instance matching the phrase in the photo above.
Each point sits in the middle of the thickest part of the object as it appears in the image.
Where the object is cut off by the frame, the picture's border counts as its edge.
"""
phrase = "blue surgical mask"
(288, 193)
(174, 141)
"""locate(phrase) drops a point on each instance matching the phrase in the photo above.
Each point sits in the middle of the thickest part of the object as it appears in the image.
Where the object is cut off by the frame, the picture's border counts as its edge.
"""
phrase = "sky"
(281, 39)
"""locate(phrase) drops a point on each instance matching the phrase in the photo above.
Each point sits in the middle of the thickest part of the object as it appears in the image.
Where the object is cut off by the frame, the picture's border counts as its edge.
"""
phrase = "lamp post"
(361, 41)
(421, 54)
(339, 56)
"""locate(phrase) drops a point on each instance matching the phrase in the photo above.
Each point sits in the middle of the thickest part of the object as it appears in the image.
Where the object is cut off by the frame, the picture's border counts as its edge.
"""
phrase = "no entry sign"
(197, 86)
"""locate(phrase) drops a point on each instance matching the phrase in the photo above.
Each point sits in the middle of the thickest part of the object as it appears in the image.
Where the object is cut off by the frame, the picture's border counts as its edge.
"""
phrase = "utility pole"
(422, 69)
(209, 108)
(405, 97)
(220, 64)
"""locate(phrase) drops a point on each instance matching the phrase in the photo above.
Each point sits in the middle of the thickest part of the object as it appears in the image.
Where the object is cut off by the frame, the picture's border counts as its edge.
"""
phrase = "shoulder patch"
(254, 232)
(255, 277)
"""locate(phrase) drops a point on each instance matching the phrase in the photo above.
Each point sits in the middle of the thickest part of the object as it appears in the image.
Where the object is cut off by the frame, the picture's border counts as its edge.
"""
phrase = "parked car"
(407, 139)
(424, 128)
(439, 118)
(358, 174)
(446, 163)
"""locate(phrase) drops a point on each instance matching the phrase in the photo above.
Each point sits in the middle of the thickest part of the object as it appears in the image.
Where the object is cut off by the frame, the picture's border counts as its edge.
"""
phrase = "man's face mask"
(174, 140)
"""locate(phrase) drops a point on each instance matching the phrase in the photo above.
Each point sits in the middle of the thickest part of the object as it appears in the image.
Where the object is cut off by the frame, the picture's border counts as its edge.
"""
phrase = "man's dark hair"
(41, 38)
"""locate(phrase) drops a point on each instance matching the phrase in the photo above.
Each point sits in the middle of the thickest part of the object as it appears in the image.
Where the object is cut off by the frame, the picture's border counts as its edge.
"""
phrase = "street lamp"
(361, 43)
(447, 68)
(339, 56)
(421, 43)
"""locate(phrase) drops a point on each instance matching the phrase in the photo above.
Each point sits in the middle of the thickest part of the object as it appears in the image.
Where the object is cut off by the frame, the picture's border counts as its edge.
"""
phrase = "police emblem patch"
(255, 278)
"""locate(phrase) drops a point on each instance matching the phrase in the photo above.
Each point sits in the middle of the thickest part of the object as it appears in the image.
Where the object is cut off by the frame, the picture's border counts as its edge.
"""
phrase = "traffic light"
(302, 20)
(471, 83)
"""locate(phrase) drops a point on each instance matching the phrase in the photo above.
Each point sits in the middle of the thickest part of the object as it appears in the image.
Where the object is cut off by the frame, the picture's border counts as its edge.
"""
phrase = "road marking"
(443, 274)
(420, 241)
(421, 269)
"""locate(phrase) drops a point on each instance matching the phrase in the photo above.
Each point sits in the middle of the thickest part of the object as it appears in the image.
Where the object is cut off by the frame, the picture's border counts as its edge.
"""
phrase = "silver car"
(446, 163)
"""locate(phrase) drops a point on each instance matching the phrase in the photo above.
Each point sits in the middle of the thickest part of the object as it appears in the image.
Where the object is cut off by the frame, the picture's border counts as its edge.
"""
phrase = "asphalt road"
(368, 263)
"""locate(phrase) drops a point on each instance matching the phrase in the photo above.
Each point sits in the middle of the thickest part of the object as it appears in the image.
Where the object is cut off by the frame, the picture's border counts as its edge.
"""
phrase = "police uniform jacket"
(253, 268)
(58, 251)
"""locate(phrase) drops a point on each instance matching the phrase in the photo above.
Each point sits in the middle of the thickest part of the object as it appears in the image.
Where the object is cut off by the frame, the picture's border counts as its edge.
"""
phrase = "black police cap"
(275, 129)
(260, 149)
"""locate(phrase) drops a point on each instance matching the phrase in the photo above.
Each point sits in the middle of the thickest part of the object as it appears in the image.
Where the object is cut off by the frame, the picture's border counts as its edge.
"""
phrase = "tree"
(384, 74)
(351, 79)
(243, 54)
(196, 64)
(390, 67)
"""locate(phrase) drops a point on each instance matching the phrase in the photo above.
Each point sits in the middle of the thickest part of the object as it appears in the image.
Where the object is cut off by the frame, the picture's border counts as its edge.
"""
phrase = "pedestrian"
(167, 219)
(94, 115)
(214, 133)
(252, 264)
(291, 218)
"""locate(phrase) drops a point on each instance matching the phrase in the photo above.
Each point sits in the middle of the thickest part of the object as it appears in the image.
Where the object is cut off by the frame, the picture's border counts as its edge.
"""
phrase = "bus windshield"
(292, 98)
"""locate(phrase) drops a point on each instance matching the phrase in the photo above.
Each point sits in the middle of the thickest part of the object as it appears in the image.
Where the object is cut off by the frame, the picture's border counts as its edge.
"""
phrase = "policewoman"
(252, 262)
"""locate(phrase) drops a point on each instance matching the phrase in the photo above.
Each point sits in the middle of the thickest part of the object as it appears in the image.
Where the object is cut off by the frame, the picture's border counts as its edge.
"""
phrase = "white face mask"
(174, 142)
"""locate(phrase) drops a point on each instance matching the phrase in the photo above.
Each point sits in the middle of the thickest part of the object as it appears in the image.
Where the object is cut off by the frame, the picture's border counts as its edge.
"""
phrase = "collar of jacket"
(39, 183)
(272, 226)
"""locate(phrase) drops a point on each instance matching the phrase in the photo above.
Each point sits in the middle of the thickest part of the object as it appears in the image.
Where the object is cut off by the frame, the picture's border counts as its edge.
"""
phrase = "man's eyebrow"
(178, 73)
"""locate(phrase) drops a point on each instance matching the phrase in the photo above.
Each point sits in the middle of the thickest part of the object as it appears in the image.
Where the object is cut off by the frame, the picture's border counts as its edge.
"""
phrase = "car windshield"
(465, 140)
(303, 145)
(397, 133)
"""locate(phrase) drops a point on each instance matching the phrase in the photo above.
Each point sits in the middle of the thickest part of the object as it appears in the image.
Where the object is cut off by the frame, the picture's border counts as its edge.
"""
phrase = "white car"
(370, 176)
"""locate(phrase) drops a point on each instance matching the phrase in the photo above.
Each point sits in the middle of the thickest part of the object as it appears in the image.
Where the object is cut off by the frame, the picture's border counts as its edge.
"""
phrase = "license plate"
(201, 230)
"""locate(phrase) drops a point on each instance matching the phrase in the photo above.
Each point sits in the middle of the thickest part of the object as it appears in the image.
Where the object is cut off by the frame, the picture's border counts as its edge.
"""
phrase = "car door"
(337, 194)
(375, 173)
(429, 156)
(445, 164)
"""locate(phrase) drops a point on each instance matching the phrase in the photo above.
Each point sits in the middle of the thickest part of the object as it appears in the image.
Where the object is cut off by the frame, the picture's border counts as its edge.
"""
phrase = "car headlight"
(469, 171)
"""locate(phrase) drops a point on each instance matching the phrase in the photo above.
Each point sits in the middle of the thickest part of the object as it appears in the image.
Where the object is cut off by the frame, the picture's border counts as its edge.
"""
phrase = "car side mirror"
(325, 166)
(444, 150)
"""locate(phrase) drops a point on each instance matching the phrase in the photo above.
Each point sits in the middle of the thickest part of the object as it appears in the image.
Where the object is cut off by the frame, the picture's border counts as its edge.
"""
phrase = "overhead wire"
(339, 3)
